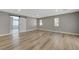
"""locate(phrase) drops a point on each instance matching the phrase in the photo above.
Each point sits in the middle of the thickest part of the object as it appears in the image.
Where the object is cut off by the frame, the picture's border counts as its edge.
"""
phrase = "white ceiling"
(39, 13)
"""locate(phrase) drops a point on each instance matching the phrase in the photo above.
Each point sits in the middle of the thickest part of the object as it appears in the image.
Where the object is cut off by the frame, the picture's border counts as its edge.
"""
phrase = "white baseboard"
(60, 32)
(43, 30)
(5, 34)
(31, 30)
(18, 32)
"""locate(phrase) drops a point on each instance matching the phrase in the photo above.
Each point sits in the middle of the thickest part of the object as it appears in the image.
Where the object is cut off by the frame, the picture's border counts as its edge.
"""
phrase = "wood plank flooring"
(39, 40)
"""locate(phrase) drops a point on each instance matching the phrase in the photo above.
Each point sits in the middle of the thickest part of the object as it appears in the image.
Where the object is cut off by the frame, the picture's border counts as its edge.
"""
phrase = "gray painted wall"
(31, 24)
(68, 23)
(4, 23)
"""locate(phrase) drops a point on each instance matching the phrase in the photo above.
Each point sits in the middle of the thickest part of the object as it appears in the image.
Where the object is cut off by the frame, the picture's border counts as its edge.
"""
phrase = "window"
(41, 22)
(56, 22)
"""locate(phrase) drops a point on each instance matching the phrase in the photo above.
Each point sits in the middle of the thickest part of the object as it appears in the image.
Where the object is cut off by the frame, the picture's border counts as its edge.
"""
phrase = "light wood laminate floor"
(39, 40)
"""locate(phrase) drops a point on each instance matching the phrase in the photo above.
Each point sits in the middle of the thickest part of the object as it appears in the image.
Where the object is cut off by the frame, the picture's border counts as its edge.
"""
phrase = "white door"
(22, 23)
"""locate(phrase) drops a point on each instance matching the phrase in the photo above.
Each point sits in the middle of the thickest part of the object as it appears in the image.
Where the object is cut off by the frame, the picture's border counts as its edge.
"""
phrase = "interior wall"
(31, 24)
(4, 23)
(67, 23)
(38, 24)
(22, 24)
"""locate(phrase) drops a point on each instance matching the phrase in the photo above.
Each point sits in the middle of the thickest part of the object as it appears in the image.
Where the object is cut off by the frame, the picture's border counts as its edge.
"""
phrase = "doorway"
(14, 24)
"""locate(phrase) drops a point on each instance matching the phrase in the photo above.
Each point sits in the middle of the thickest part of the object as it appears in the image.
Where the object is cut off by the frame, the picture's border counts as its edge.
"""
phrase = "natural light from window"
(56, 22)
(41, 23)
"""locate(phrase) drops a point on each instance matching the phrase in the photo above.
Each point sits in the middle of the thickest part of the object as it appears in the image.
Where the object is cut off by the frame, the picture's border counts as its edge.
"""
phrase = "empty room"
(39, 29)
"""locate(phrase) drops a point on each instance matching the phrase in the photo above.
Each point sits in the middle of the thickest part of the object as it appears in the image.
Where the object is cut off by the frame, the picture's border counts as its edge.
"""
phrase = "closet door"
(22, 27)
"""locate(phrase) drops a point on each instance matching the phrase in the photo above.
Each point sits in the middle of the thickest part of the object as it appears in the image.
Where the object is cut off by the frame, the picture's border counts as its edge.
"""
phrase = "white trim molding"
(60, 32)
(5, 34)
